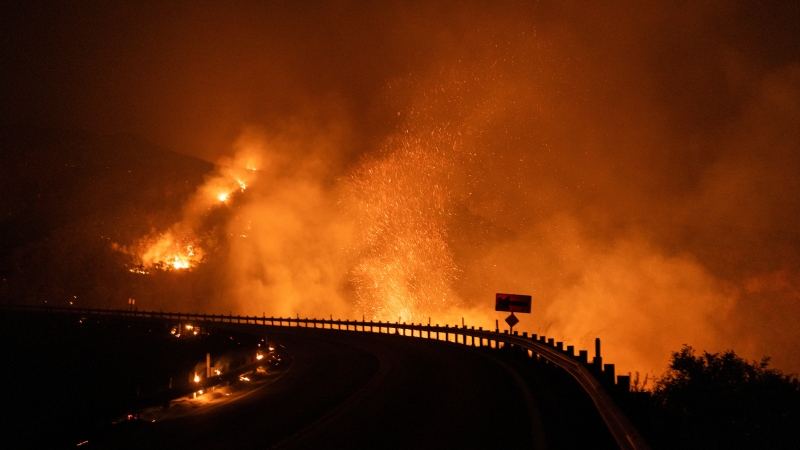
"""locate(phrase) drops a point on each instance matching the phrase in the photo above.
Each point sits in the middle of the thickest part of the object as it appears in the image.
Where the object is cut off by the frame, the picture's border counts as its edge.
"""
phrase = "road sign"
(512, 303)
(512, 320)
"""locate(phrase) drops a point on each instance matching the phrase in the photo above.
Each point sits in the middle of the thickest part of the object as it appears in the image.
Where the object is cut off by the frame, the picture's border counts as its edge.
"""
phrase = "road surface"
(363, 390)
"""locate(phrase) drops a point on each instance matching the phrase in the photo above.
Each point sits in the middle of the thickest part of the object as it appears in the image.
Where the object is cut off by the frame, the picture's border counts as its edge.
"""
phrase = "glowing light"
(189, 327)
(180, 263)
(163, 252)
(259, 357)
(175, 249)
(196, 378)
(217, 372)
(244, 378)
(405, 267)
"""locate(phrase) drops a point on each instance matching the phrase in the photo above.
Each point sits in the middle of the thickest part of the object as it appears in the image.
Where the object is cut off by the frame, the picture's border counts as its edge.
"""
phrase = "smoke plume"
(632, 167)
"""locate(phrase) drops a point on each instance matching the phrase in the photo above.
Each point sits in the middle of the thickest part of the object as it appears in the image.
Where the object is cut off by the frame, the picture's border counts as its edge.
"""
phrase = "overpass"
(593, 377)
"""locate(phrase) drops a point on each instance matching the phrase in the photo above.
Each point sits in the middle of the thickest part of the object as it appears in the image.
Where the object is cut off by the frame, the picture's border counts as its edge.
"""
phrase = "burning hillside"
(70, 197)
(180, 246)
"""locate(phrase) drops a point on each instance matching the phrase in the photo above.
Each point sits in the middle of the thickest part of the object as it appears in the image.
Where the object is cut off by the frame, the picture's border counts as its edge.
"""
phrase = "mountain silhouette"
(66, 195)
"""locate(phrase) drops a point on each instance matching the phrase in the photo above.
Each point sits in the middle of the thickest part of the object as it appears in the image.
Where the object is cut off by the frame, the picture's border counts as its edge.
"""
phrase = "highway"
(365, 390)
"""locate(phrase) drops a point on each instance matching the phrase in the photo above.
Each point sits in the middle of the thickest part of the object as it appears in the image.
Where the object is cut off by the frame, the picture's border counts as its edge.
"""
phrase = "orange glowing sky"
(633, 167)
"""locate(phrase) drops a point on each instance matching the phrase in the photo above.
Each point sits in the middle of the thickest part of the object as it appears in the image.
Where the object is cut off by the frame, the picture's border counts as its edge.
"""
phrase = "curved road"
(364, 390)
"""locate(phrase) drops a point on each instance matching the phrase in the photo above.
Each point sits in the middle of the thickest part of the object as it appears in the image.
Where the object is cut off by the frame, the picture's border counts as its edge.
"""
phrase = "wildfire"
(224, 196)
(405, 267)
(164, 252)
(179, 263)
(177, 248)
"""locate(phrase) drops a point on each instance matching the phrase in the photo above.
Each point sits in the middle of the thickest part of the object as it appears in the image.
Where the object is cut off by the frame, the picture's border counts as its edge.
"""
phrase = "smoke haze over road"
(632, 167)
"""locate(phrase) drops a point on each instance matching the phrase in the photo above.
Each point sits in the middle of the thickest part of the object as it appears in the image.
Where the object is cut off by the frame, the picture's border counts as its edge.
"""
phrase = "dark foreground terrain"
(335, 390)
(65, 378)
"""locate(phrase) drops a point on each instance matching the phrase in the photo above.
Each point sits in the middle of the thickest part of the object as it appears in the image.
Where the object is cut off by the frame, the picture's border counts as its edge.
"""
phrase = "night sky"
(633, 167)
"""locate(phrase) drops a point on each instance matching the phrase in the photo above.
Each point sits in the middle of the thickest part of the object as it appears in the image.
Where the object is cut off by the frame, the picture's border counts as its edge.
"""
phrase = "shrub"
(723, 401)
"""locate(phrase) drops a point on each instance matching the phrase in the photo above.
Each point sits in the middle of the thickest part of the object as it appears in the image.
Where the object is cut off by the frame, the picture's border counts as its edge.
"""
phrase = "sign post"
(512, 303)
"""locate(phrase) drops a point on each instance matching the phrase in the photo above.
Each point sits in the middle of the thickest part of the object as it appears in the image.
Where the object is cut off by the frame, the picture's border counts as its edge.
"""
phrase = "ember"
(406, 268)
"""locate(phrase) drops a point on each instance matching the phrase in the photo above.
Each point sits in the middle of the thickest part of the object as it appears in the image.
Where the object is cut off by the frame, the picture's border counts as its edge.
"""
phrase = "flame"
(179, 263)
(405, 267)
(196, 378)
(163, 252)
(221, 186)
(177, 248)
(259, 357)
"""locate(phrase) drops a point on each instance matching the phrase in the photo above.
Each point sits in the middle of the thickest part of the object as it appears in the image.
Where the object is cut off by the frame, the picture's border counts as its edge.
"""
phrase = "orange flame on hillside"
(178, 248)
(164, 252)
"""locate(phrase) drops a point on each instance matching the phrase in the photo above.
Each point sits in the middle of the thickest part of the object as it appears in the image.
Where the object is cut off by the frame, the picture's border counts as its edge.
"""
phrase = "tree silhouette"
(723, 401)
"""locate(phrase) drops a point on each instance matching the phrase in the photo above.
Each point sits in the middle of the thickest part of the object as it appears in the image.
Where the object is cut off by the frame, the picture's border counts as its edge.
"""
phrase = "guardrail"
(578, 366)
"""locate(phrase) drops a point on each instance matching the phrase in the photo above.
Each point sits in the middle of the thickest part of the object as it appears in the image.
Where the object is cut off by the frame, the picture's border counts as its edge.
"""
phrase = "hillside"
(67, 195)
